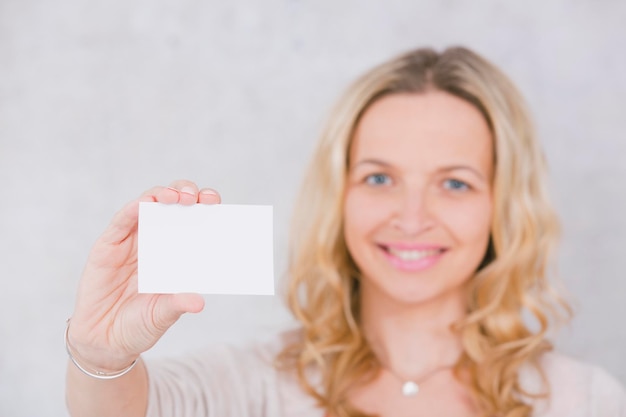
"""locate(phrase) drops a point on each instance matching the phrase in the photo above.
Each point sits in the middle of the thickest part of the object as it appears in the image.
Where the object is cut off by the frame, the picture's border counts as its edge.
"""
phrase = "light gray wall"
(101, 100)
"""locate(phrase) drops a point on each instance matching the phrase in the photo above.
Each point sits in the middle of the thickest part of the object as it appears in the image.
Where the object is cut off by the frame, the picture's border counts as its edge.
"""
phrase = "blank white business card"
(206, 249)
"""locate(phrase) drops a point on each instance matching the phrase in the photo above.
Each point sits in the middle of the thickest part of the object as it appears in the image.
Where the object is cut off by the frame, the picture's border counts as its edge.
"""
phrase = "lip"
(412, 257)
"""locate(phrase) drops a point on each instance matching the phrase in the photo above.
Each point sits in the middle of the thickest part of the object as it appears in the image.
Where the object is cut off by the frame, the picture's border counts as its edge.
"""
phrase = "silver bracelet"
(93, 372)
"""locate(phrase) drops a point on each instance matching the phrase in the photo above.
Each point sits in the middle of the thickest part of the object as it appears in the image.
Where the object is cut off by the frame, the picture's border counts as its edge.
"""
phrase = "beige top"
(241, 382)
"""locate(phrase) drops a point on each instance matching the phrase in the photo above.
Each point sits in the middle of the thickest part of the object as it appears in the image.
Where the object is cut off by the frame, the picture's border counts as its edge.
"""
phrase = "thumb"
(168, 308)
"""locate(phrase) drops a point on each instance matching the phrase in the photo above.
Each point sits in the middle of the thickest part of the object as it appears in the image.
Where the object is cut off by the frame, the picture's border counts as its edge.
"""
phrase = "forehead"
(424, 129)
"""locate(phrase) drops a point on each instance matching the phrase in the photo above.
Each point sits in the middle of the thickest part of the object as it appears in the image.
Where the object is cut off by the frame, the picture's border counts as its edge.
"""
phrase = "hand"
(112, 324)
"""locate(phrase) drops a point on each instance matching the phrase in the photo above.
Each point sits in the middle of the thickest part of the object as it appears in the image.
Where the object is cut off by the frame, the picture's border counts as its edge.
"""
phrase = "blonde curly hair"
(511, 302)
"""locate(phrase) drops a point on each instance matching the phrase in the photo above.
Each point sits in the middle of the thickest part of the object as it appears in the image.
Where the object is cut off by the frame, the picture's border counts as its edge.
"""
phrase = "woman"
(418, 273)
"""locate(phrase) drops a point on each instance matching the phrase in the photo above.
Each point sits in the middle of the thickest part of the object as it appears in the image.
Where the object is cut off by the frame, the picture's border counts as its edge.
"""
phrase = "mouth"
(412, 258)
(412, 254)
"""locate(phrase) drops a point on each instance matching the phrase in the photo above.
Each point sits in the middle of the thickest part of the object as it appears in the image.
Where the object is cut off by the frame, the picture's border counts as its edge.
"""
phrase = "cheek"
(354, 219)
(472, 222)
(363, 214)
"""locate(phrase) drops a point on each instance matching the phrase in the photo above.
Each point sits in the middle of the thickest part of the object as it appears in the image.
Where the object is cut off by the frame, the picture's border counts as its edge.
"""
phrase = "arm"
(124, 396)
(112, 324)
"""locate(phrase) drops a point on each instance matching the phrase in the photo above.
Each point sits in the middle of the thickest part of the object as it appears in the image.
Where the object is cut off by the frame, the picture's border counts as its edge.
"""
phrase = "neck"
(411, 340)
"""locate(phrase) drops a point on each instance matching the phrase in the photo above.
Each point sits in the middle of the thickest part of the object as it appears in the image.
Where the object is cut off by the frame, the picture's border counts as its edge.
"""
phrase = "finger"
(161, 194)
(209, 196)
(188, 191)
(123, 224)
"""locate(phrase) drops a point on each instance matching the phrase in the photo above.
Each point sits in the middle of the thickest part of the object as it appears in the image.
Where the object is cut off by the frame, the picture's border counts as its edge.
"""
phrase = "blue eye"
(378, 179)
(455, 185)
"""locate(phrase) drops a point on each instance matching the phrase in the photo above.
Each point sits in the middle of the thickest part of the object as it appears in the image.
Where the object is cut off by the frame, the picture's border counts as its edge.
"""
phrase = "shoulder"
(267, 349)
(576, 389)
(228, 379)
(253, 360)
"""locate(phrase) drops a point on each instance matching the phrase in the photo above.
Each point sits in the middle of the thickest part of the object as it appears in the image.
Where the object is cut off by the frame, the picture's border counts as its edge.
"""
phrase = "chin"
(411, 292)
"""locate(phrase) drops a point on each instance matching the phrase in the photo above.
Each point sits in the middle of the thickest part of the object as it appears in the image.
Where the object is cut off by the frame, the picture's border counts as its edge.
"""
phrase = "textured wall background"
(101, 100)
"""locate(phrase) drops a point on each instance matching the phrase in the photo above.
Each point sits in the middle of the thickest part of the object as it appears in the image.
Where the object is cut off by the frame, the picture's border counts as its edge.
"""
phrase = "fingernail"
(208, 192)
(188, 190)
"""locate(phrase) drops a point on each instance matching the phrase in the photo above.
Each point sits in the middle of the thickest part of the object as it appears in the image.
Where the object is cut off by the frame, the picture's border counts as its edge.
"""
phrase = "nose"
(413, 214)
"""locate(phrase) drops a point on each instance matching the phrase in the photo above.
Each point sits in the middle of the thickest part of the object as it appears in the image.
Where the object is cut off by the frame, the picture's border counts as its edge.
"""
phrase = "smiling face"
(418, 199)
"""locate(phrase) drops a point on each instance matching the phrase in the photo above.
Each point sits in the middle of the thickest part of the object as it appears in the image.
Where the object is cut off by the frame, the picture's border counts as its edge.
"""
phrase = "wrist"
(99, 369)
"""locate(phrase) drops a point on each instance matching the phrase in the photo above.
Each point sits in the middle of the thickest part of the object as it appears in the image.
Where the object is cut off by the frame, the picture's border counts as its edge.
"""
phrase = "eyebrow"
(443, 169)
(465, 168)
(373, 162)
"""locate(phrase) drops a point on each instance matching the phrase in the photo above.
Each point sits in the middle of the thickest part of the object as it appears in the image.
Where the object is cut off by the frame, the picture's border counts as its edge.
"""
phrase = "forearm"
(124, 396)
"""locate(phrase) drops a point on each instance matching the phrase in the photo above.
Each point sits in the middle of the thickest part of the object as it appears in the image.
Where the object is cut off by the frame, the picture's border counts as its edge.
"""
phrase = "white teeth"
(413, 255)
